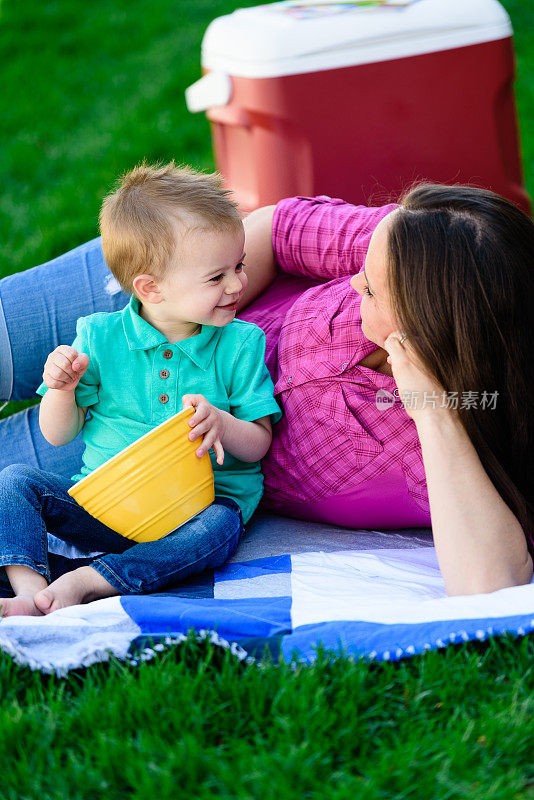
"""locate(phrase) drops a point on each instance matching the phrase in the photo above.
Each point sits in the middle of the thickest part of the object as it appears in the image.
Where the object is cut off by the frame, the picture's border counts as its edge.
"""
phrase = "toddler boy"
(174, 240)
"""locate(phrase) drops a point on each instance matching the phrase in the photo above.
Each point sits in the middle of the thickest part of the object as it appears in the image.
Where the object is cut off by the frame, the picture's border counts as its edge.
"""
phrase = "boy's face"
(207, 280)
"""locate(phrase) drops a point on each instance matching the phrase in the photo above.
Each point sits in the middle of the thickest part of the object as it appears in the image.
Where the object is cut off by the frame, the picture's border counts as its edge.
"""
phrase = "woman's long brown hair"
(461, 279)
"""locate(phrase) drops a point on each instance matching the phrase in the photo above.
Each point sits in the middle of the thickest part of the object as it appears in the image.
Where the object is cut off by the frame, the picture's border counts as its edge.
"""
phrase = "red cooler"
(359, 99)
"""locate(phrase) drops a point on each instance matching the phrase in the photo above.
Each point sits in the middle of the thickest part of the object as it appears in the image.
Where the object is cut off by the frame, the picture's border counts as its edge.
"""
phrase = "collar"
(141, 335)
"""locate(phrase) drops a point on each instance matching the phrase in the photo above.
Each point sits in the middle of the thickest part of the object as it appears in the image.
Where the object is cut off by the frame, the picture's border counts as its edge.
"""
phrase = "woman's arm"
(318, 238)
(480, 545)
(260, 268)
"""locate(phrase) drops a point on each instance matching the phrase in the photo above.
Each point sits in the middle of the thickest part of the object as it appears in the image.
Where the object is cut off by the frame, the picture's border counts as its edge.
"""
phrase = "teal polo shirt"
(136, 379)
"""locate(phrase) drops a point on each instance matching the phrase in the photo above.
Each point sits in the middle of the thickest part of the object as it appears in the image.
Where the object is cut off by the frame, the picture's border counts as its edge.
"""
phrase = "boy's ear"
(147, 289)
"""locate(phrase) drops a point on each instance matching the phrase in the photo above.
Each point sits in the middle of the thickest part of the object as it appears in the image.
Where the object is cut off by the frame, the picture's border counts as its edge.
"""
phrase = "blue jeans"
(34, 502)
(38, 312)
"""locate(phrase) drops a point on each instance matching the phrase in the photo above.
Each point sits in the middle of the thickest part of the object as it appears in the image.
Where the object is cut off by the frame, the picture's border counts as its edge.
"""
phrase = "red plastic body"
(364, 133)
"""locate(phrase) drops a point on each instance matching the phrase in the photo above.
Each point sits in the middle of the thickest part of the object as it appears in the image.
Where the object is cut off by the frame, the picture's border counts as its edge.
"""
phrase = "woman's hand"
(418, 391)
(64, 367)
(206, 420)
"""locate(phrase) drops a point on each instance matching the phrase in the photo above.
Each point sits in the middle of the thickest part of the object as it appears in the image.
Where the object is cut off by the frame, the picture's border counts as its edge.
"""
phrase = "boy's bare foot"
(21, 605)
(79, 586)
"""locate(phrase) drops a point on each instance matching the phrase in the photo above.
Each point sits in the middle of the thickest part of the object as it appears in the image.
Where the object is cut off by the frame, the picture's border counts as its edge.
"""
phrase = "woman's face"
(377, 318)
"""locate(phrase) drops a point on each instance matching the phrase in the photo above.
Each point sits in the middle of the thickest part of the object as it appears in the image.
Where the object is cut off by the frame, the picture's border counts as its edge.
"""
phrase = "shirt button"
(164, 398)
(344, 365)
(164, 373)
(290, 379)
(167, 354)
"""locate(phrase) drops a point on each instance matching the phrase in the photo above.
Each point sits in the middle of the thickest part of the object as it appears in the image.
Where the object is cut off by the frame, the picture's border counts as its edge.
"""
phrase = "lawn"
(89, 89)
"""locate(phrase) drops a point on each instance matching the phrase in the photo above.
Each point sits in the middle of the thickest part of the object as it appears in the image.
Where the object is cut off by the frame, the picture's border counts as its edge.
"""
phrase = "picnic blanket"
(291, 587)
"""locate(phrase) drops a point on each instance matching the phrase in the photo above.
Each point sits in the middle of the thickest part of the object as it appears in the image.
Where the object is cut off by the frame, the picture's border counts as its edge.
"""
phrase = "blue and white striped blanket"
(291, 587)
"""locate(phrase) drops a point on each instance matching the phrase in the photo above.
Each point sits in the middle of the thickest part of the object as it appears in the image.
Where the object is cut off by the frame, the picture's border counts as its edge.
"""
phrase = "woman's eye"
(367, 292)
(216, 279)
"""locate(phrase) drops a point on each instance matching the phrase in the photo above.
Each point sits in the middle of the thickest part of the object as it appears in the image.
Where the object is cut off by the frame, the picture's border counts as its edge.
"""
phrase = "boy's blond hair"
(138, 219)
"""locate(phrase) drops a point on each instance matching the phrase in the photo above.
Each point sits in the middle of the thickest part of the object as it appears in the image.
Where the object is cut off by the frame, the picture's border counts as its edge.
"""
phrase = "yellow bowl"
(152, 486)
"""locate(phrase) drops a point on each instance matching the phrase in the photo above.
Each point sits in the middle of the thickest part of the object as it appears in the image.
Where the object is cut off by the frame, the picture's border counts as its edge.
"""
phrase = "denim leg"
(38, 311)
(39, 308)
(33, 502)
(207, 540)
(21, 442)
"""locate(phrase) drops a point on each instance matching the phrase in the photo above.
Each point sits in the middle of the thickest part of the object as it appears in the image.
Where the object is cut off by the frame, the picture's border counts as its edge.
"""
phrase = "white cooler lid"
(298, 36)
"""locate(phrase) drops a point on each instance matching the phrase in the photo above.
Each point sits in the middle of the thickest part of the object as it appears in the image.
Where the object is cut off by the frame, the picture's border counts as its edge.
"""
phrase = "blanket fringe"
(104, 654)
(147, 653)
(97, 656)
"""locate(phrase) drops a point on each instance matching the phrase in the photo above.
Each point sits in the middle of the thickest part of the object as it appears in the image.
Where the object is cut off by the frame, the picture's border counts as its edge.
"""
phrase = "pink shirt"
(337, 455)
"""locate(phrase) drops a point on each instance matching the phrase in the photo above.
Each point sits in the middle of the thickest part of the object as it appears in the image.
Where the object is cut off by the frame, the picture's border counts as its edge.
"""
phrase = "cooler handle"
(213, 89)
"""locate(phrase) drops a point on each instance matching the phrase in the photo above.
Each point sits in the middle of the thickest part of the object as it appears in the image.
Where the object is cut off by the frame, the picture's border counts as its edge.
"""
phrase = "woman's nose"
(355, 282)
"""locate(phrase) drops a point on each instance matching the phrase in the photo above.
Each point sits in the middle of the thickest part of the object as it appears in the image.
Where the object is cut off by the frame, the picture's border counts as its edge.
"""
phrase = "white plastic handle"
(213, 89)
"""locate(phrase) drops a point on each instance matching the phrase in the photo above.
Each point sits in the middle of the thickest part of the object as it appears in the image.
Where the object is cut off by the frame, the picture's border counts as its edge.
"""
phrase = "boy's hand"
(206, 420)
(64, 367)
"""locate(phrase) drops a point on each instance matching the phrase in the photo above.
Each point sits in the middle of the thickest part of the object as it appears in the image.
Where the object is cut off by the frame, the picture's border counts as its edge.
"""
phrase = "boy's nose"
(233, 286)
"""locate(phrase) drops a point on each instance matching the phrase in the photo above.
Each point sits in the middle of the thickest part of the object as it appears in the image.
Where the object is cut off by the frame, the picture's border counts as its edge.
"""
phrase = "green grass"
(198, 724)
(89, 89)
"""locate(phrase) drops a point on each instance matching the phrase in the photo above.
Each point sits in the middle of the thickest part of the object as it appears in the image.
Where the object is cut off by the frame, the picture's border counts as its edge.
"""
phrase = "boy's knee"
(225, 515)
(15, 474)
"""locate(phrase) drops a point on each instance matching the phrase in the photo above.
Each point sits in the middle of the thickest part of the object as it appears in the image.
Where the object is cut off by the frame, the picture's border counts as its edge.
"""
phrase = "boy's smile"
(203, 287)
(230, 306)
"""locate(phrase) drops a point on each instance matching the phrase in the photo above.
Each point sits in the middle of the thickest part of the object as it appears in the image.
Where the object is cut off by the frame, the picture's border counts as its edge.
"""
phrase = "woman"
(428, 301)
